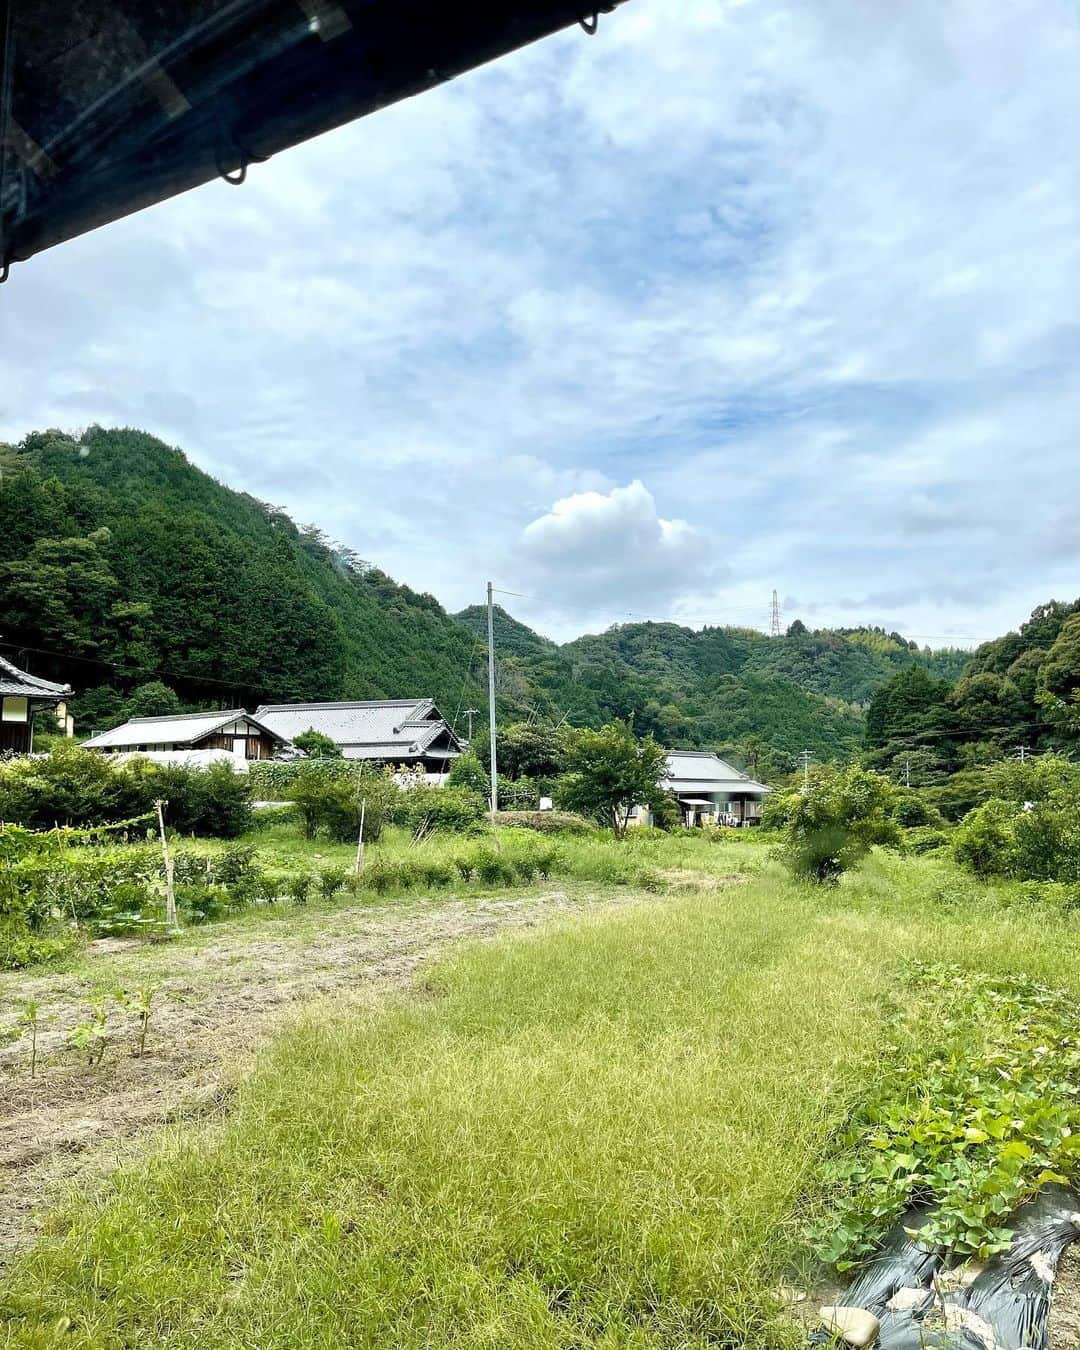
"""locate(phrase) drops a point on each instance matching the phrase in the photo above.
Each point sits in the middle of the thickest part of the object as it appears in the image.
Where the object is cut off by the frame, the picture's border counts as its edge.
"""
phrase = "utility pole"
(775, 615)
(1022, 753)
(470, 713)
(491, 699)
(907, 772)
(804, 759)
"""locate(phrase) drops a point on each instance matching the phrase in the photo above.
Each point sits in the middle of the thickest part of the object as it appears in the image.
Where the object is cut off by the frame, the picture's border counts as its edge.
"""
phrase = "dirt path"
(218, 994)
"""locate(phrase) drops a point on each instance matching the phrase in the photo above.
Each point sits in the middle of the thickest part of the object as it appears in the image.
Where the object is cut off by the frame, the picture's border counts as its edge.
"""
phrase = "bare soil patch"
(1065, 1302)
(215, 1003)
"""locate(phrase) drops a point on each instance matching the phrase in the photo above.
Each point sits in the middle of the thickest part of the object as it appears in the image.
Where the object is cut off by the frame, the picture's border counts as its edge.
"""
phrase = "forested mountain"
(122, 564)
(1018, 694)
(149, 586)
(758, 699)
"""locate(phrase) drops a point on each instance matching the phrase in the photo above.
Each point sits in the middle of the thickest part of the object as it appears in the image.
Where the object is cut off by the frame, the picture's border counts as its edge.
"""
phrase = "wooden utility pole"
(491, 698)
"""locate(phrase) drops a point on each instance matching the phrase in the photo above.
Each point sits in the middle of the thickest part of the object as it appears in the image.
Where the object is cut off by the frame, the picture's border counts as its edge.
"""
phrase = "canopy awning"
(107, 106)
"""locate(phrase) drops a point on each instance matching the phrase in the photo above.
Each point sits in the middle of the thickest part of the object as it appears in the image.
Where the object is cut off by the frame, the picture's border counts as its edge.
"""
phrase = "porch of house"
(720, 808)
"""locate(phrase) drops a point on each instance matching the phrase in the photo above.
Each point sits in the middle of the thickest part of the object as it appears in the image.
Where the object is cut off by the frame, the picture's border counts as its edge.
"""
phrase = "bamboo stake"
(359, 864)
(170, 894)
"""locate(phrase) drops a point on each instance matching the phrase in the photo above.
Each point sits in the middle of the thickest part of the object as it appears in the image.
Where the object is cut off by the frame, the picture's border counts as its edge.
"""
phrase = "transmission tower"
(775, 615)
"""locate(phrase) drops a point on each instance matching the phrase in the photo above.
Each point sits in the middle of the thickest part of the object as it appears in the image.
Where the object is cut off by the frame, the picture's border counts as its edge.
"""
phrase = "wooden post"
(359, 865)
(170, 893)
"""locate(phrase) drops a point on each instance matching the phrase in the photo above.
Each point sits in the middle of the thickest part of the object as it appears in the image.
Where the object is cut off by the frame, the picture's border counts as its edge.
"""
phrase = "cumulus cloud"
(612, 552)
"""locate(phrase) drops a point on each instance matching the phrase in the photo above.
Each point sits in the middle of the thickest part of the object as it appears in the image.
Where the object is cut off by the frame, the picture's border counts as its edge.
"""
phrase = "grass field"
(602, 1134)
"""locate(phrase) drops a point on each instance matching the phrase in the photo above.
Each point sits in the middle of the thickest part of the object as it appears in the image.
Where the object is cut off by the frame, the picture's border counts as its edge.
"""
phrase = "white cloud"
(606, 553)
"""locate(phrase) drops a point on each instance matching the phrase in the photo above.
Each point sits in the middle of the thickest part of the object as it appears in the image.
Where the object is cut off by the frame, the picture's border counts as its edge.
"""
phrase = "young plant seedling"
(91, 1037)
(140, 1004)
(30, 1017)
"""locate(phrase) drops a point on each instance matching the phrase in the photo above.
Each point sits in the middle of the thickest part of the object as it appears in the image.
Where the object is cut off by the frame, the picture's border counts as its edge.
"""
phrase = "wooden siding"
(255, 747)
(15, 737)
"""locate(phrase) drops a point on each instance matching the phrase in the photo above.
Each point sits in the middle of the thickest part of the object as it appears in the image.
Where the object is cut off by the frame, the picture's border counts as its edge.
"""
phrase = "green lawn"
(597, 1136)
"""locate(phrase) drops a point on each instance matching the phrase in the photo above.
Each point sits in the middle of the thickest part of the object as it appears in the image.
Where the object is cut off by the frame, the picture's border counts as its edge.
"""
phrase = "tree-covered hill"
(1018, 694)
(150, 586)
(121, 564)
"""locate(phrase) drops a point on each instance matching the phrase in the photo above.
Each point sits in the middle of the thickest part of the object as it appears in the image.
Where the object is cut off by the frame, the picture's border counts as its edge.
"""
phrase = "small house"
(709, 790)
(405, 733)
(236, 733)
(21, 696)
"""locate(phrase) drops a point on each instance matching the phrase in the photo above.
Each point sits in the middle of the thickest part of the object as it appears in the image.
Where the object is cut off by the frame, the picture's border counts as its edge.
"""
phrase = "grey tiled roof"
(699, 771)
(367, 729)
(177, 729)
(20, 683)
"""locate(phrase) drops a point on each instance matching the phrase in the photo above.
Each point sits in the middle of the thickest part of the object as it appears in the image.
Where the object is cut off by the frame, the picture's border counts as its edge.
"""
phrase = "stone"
(855, 1326)
(907, 1299)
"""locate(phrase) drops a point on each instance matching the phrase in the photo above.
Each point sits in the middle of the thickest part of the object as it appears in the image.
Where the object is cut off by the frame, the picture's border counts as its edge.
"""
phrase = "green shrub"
(426, 810)
(199, 903)
(77, 787)
(235, 864)
(835, 822)
(467, 772)
(331, 803)
(985, 840)
(911, 811)
(19, 949)
(299, 887)
(925, 840)
(270, 887)
(330, 880)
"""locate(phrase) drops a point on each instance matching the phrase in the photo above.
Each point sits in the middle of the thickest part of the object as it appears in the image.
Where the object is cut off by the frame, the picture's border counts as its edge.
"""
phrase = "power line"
(775, 624)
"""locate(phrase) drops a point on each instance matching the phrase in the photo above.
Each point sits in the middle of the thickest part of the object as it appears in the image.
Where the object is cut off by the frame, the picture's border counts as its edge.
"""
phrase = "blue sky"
(733, 296)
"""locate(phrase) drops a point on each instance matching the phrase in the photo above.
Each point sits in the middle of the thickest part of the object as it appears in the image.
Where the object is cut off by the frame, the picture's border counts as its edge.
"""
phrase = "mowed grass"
(599, 1135)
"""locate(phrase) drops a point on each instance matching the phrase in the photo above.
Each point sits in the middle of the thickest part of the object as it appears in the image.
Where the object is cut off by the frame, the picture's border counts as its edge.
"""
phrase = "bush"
(19, 949)
(425, 810)
(985, 840)
(68, 787)
(835, 822)
(331, 803)
(330, 880)
(911, 811)
(77, 787)
(298, 887)
(467, 772)
(546, 822)
(199, 904)
(925, 840)
(271, 779)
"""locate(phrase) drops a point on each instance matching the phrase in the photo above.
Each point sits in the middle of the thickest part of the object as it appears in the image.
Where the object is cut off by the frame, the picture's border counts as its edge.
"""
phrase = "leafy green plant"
(834, 822)
(428, 810)
(141, 1004)
(330, 881)
(92, 1037)
(467, 772)
(974, 1121)
(299, 887)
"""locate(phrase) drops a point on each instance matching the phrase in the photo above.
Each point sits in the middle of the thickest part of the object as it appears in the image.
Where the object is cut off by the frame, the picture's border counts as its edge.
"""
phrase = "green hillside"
(756, 698)
(148, 585)
(121, 563)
